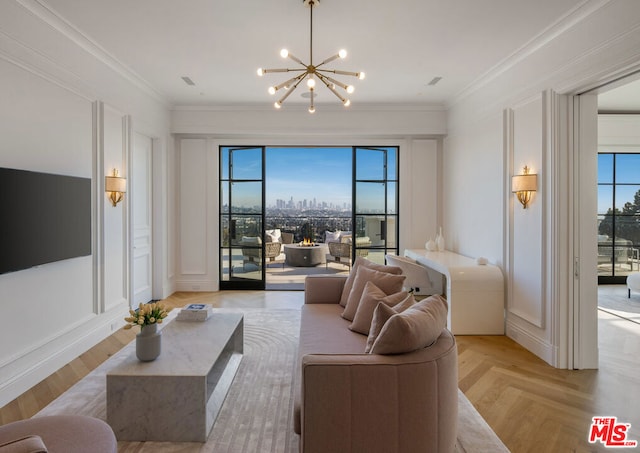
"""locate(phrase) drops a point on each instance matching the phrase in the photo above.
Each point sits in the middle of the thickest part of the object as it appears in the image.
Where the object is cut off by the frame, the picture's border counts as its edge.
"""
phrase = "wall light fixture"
(115, 186)
(524, 185)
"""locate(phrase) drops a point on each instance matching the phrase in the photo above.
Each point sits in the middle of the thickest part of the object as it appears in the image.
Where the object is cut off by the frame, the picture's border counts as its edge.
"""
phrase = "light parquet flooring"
(529, 404)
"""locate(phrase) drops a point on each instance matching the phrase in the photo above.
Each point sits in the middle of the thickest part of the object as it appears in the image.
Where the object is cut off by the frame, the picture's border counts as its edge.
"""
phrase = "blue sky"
(323, 173)
(627, 173)
(305, 173)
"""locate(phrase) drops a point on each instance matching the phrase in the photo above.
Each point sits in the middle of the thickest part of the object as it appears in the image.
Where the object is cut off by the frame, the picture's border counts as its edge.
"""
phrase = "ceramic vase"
(440, 241)
(148, 343)
(430, 245)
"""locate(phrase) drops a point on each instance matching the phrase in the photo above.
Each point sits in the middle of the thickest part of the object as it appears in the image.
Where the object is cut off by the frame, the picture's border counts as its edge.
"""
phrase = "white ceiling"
(401, 46)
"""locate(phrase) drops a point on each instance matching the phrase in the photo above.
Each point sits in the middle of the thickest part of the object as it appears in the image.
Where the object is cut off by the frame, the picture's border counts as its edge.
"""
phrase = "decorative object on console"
(115, 186)
(524, 185)
(311, 70)
(195, 312)
(431, 245)
(440, 240)
(149, 340)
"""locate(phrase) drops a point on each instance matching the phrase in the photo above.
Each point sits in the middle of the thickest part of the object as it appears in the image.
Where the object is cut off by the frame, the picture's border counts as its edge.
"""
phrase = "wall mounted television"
(43, 218)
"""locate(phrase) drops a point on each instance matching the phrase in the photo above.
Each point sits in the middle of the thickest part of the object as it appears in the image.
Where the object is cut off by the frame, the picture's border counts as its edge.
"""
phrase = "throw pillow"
(330, 236)
(415, 328)
(360, 261)
(371, 296)
(381, 315)
(275, 235)
(389, 283)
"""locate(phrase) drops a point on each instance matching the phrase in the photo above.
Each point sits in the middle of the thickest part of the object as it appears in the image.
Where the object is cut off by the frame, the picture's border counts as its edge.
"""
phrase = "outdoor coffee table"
(177, 397)
(305, 256)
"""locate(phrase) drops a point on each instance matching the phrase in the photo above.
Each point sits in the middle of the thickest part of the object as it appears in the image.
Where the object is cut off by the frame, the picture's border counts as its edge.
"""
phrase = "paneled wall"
(198, 195)
(66, 110)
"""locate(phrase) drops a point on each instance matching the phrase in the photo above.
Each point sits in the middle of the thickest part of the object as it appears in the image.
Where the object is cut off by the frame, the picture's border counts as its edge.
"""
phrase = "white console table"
(475, 292)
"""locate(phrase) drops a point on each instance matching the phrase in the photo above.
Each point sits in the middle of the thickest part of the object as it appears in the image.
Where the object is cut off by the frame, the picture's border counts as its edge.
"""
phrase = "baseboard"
(195, 285)
(537, 346)
(27, 370)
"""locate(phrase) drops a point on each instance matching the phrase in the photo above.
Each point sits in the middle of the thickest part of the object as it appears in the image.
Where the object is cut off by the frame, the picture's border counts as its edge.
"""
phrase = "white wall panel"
(193, 206)
(526, 235)
(114, 155)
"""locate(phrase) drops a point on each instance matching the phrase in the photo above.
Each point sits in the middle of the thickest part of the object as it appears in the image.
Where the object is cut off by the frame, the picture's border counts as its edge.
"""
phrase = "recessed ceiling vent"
(188, 81)
(434, 81)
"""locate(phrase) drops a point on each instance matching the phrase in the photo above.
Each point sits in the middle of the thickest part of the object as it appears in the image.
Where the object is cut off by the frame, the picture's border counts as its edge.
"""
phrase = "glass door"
(618, 216)
(242, 218)
(375, 202)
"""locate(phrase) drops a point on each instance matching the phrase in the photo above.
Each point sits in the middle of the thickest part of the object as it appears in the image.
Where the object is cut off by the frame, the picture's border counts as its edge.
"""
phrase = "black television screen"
(43, 218)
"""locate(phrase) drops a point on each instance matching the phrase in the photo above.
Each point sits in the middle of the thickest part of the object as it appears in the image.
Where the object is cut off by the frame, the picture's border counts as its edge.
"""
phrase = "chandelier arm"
(328, 60)
(336, 82)
(338, 72)
(323, 78)
(267, 71)
(288, 82)
(290, 90)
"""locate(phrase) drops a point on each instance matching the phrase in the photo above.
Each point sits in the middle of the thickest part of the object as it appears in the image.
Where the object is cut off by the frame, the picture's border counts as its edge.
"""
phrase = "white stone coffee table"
(178, 396)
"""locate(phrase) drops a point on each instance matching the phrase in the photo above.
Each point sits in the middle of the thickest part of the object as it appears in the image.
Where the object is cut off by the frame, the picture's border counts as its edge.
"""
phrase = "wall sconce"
(523, 186)
(115, 186)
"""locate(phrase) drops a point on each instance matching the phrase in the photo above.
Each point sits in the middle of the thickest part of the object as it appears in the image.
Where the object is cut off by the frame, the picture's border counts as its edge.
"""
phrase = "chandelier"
(310, 71)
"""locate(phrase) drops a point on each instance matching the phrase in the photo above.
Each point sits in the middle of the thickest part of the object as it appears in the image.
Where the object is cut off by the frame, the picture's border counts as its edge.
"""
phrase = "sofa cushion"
(325, 332)
(415, 328)
(26, 444)
(381, 315)
(389, 283)
(371, 296)
(360, 261)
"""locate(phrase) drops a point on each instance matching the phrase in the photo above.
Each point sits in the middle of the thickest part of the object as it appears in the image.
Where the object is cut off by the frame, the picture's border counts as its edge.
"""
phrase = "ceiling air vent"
(434, 81)
(188, 81)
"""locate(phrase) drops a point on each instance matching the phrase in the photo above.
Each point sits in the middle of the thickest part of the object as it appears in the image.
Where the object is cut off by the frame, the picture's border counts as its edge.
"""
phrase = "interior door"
(140, 193)
(375, 201)
(242, 218)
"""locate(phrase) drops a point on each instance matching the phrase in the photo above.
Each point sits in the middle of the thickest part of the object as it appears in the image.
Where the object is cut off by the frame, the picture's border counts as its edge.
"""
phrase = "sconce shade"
(523, 186)
(521, 183)
(115, 186)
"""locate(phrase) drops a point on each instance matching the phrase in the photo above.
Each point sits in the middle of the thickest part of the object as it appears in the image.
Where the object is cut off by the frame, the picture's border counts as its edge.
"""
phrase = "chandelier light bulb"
(311, 83)
(361, 75)
(312, 109)
(350, 89)
(342, 53)
(272, 90)
(277, 104)
(347, 103)
(260, 72)
(284, 53)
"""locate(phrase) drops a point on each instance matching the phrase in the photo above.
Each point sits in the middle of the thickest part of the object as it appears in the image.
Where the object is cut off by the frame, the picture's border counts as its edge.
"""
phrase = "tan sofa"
(350, 401)
(58, 434)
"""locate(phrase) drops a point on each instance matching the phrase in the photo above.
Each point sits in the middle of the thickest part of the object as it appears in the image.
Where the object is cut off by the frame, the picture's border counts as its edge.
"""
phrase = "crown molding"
(48, 15)
(332, 108)
(560, 26)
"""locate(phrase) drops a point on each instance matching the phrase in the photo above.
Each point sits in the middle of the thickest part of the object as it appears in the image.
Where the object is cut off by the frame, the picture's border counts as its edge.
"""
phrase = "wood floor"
(530, 405)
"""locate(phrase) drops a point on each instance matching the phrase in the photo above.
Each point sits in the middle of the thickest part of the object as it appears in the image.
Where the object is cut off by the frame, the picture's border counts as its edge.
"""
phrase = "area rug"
(256, 415)
(615, 300)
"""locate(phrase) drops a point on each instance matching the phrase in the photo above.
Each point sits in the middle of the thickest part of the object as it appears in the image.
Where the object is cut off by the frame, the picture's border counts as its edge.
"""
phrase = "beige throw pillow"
(388, 283)
(381, 315)
(371, 296)
(360, 261)
(415, 328)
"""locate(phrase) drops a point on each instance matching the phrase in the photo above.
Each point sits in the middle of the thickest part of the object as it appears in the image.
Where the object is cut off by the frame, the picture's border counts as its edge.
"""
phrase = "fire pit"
(305, 255)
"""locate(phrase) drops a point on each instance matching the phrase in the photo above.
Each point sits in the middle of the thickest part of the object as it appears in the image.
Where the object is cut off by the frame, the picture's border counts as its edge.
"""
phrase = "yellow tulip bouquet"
(145, 315)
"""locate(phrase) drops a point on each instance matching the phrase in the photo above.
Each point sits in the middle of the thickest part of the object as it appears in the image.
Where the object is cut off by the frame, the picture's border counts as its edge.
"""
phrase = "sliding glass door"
(242, 218)
(375, 202)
